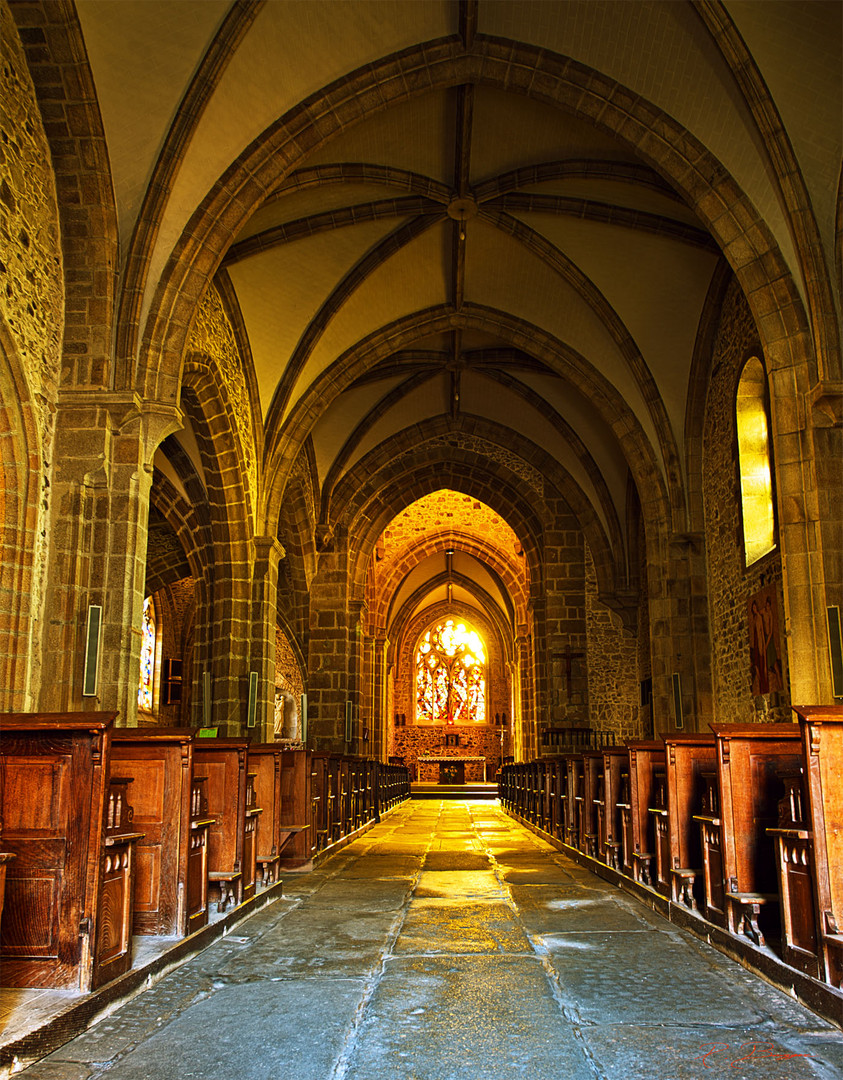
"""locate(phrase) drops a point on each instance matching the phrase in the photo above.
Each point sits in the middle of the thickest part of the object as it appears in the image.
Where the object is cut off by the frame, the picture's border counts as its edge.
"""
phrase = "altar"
(451, 769)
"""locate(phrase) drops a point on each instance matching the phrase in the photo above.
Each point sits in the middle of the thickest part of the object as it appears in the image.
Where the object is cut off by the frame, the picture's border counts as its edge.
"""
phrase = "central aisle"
(450, 943)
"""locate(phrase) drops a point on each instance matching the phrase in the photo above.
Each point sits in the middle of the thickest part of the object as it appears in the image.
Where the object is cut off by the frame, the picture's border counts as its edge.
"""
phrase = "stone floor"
(449, 943)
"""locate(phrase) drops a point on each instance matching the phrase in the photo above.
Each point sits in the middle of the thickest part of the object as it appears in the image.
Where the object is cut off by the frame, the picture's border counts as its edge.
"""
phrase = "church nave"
(450, 943)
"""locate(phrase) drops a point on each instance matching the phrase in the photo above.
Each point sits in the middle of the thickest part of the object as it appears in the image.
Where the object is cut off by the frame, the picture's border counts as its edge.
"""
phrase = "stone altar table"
(451, 769)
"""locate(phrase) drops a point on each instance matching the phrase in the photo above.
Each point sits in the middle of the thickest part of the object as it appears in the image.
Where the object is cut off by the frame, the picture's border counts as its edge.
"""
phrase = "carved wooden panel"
(265, 762)
(113, 954)
(295, 806)
(223, 761)
(52, 805)
(198, 876)
(822, 742)
(646, 776)
(161, 762)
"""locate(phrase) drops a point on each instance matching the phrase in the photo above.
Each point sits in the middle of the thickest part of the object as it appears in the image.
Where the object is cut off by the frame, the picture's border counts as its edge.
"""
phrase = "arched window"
(451, 675)
(759, 526)
(147, 659)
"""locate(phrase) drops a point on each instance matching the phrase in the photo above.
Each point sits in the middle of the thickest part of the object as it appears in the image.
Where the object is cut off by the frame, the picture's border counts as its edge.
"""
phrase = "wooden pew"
(518, 786)
(646, 769)
(322, 798)
(556, 777)
(615, 789)
(358, 794)
(171, 873)
(5, 858)
(795, 863)
(688, 755)
(67, 921)
(295, 808)
(266, 761)
(367, 783)
(254, 812)
(333, 823)
(574, 770)
(592, 774)
(659, 813)
(822, 746)
(711, 843)
(748, 757)
(345, 798)
(223, 761)
(114, 932)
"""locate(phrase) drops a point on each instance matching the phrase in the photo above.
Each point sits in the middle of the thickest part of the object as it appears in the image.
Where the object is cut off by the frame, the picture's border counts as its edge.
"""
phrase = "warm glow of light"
(754, 462)
(451, 675)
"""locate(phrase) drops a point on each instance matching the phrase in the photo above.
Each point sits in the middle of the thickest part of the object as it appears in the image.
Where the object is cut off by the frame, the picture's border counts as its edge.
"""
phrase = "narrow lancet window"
(759, 527)
(147, 659)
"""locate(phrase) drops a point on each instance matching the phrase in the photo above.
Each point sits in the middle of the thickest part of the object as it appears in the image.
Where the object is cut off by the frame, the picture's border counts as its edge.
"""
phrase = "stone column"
(564, 662)
(525, 723)
(268, 553)
(380, 715)
(328, 650)
(809, 481)
(104, 447)
(679, 636)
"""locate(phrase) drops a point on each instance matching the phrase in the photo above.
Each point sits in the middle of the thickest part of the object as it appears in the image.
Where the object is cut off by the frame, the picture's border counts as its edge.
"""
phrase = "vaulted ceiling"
(487, 254)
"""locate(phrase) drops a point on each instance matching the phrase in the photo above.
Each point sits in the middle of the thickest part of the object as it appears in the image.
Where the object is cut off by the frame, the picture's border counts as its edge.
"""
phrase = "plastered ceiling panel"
(633, 196)
(297, 205)
(341, 418)
(663, 52)
(510, 131)
(502, 273)
(428, 401)
(656, 285)
(410, 280)
(434, 596)
(485, 397)
(143, 56)
(162, 463)
(293, 49)
(584, 418)
(417, 579)
(414, 135)
(798, 47)
(281, 290)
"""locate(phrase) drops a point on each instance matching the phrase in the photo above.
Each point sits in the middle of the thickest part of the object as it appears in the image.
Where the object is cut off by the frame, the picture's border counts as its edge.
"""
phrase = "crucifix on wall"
(569, 657)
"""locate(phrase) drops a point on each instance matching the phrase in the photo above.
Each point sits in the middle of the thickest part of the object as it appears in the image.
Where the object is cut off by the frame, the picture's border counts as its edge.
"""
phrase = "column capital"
(268, 550)
(826, 401)
(127, 413)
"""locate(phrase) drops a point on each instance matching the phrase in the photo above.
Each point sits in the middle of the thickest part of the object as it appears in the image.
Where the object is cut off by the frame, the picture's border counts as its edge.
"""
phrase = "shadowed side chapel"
(450, 387)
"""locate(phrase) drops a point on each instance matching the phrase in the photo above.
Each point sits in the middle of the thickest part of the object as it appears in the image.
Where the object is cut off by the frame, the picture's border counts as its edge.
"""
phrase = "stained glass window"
(147, 659)
(759, 526)
(451, 675)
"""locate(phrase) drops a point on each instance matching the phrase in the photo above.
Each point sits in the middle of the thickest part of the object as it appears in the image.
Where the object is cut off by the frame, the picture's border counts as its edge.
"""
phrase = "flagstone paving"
(450, 943)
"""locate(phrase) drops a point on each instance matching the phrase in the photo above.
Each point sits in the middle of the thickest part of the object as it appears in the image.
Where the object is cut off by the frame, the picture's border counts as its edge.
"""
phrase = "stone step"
(454, 791)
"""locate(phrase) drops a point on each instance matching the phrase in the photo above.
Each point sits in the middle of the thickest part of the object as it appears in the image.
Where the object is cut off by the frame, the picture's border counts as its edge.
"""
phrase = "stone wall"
(612, 658)
(435, 514)
(730, 584)
(31, 321)
(213, 335)
(31, 287)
